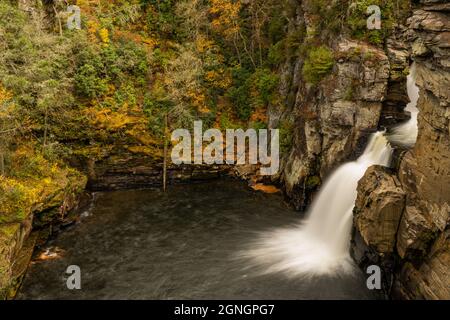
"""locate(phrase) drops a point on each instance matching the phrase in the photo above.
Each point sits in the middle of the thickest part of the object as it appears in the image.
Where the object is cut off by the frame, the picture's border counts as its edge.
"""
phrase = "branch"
(9, 130)
(59, 21)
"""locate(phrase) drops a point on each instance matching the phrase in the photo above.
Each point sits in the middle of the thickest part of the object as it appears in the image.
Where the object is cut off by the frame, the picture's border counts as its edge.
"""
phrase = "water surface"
(144, 244)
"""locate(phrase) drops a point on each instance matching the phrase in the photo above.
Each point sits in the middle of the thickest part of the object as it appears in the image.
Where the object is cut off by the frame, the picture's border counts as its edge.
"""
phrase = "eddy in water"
(320, 245)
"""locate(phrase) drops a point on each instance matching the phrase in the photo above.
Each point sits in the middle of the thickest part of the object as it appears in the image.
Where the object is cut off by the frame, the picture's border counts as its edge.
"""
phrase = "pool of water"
(145, 244)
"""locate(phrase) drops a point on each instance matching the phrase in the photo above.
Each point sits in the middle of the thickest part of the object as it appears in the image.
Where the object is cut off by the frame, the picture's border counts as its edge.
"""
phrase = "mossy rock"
(313, 182)
(318, 64)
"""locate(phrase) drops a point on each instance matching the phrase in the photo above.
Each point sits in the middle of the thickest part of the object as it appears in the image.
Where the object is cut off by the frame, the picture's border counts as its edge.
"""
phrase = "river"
(145, 244)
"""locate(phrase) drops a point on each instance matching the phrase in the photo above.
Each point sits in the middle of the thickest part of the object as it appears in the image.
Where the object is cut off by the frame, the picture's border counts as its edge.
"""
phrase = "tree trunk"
(2, 164)
(165, 154)
(59, 21)
(45, 127)
(237, 49)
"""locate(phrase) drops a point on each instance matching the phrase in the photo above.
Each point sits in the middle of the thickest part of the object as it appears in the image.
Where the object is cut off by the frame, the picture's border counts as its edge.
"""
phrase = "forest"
(90, 107)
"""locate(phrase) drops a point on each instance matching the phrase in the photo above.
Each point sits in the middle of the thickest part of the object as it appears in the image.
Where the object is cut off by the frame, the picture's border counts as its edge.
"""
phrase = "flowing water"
(198, 241)
(320, 244)
(147, 244)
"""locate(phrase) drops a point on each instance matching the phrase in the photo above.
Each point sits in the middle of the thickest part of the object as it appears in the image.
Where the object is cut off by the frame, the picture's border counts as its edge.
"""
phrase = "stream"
(145, 244)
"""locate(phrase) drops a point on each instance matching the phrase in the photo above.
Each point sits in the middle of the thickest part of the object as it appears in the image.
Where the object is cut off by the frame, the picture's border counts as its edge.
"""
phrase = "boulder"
(431, 278)
(378, 209)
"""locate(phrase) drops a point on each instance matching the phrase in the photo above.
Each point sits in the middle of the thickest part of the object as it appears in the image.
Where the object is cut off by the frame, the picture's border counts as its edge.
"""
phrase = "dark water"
(180, 245)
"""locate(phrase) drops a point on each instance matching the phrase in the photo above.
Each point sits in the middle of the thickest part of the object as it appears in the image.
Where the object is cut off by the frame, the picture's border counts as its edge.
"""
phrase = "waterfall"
(406, 134)
(320, 245)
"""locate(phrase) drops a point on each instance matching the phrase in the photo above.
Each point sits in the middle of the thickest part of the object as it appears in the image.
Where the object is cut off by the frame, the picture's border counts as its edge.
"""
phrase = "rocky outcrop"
(421, 243)
(16, 241)
(378, 209)
(139, 171)
(397, 95)
(430, 278)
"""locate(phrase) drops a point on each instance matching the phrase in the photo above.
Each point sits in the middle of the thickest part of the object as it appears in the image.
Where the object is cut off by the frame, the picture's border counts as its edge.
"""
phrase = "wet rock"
(366, 256)
(431, 278)
(332, 119)
(397, 95)
(378, 209)
(422, 246)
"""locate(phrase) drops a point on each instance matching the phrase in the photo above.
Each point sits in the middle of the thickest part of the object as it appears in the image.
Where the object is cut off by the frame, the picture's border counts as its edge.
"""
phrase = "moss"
(369, 56)
(406, 72)
(94, 152)
(16, 200)
(141, 150)
(318, 64)
(313, 182)
(35, 183)
(286, 128)
(9, 230)
(349, 94)
(391, 13)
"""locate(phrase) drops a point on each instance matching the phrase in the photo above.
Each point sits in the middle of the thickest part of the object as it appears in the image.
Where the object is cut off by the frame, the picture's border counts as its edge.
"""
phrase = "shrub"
(286, 128)
(318, 64)
(226, 123)
(97, 67)
(252, 90)
(88, 83)
(275, 55)
(390, 13)
(161, 18)
(155, 110)
(276, 26)
(266, 83)
(239, 93)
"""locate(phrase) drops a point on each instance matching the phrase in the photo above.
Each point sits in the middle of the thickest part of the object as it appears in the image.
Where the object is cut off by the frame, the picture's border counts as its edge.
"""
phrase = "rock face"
(378, 209)
(421, 243)
(16, 244)
(133, 172)
(332, 120)
(430, 278)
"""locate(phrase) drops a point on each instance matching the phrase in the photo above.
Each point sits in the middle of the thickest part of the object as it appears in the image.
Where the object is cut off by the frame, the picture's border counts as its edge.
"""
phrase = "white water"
(406, 134)
(320, 245)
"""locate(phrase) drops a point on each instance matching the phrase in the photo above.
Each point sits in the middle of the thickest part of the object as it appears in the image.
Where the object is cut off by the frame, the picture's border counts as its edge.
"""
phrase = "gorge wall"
(402, 216)
(338, 83)
(332, 119)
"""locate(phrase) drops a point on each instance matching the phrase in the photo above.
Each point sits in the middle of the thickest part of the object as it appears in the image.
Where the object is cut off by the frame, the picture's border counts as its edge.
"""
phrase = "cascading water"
(406, 134)
(320, 245)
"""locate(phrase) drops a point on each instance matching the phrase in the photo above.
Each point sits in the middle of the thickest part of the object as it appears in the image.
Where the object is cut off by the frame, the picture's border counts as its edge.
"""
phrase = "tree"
(8, 126)
(194, 17)
(226, 22)
(183, 85)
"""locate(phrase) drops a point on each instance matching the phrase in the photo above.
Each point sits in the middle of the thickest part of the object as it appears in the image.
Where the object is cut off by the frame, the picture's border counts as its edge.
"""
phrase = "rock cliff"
(409, 210)
(332, 119)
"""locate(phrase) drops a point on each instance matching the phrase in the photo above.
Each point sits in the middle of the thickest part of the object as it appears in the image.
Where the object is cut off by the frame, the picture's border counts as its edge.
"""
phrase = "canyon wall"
(402, 216)
(332, 119)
